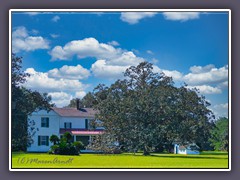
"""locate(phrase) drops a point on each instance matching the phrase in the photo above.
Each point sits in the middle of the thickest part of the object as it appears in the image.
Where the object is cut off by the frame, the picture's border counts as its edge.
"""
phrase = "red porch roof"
(81, 131)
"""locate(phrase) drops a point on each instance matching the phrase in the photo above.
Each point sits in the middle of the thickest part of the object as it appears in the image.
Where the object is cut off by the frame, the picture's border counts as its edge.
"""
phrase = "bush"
(54, 139)
(54, 149)
(78, 145)
(65, 146)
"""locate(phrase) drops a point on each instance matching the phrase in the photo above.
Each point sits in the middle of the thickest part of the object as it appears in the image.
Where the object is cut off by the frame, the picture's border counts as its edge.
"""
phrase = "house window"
(67, 125)
(44, 122)
(43, 140)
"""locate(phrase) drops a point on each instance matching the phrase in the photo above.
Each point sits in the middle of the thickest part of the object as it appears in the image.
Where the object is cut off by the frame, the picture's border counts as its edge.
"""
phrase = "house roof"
(190, 147)
(182, 147)
(74, 112)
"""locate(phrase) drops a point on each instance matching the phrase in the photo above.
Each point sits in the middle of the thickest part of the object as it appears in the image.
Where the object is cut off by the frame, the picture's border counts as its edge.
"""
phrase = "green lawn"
(37, 160)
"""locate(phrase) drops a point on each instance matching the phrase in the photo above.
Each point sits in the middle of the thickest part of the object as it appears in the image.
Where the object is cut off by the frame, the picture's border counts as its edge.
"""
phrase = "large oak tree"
(146, 110)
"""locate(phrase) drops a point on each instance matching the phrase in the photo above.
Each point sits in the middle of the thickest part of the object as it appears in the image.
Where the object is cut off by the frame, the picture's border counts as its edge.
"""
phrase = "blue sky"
(68, 54)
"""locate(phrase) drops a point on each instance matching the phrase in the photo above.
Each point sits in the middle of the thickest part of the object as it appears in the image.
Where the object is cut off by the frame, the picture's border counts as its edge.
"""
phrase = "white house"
(61, 120)
(186, 149)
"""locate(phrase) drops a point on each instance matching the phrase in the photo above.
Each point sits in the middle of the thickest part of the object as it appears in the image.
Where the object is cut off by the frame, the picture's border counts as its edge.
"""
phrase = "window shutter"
(47, 140)
(86, 123)
(65, 125)
(70, 125)
(47, 122)
(39, 141)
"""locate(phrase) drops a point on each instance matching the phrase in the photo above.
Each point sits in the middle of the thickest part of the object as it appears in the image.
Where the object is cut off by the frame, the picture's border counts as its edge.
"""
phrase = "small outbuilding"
(186, 149)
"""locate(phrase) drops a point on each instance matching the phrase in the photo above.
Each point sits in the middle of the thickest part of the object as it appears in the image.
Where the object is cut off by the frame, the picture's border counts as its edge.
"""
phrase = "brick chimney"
(78, 104)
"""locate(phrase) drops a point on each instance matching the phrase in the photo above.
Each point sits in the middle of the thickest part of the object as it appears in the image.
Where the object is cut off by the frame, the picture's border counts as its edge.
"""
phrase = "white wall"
(53, 128)
(192, 152)
(76, 122)
(182, 151)
(55, 123)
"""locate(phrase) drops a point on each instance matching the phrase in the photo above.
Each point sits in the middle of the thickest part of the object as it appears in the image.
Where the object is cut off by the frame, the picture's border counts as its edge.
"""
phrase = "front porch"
(83, 135)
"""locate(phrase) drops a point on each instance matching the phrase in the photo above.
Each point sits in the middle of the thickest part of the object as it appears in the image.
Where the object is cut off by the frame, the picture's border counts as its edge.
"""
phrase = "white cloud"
(54, 35)
(55, 18)
(114, 43)
(135, 17)
(61, 89)
(206, 75)
(154, 61)
(20, 32)
(111, 61)
(61, 99)
(135, 51)
(114, 68)
(102, 70)
(223, 106)
(80, 94)
(126, 59)
(32, 13)
(69, 72)
(206, 89)
(34, 31)
(150, 52)
(201, 69)
(88, 47)
(42, 82)
(220, 110)
(21, 41)
(181, 16)
(223, 85)
(176, 75)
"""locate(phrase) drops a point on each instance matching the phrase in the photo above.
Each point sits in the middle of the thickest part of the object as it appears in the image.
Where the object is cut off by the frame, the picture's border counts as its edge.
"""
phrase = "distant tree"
(145, 110)
(220, 134)
(73, 103)
(87, 101)
(24, 102)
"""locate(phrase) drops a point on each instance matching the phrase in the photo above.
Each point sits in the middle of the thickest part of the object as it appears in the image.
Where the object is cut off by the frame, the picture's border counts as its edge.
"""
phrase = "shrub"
(54, 139)
(68, 136)
(78, 145)
(65, 146)
(54, 149)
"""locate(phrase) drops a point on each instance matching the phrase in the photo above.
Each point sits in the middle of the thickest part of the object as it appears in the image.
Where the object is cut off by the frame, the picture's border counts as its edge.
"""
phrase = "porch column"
(90, 139)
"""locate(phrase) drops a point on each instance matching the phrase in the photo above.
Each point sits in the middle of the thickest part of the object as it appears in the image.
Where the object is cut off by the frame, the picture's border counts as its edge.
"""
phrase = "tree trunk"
(145, 151)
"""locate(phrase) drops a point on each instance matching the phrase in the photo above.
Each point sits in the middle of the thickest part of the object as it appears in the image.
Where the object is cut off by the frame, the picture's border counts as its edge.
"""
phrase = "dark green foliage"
(145, 111)
(78, 145)
(68, 137)
(65, 146)
(220, 137)
(24, 102)
(104, 143)
(54, 139)
(54, 149)
(87, 101)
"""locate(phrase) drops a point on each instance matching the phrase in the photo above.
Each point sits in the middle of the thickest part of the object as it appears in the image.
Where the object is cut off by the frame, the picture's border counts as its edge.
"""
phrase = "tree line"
(144, 111)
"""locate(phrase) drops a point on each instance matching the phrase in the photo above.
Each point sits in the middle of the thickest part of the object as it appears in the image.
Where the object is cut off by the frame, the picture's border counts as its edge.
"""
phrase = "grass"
(43, 160)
